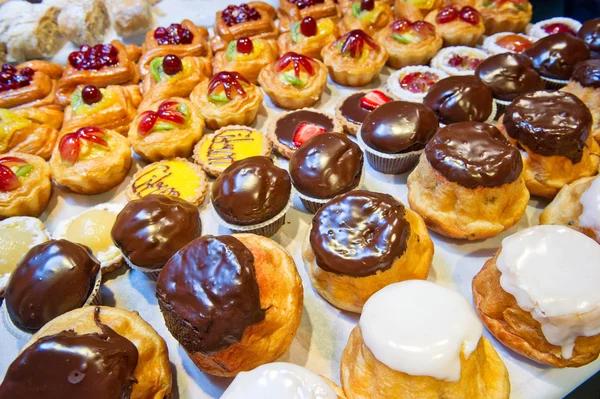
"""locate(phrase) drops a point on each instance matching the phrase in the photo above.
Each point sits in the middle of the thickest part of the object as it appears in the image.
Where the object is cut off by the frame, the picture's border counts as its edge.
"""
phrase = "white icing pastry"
(553, 272)
(537, 30)
(590, 200)
(489, 43)
(394, 85)
(279, 381)
(443, 57)
(420, 328)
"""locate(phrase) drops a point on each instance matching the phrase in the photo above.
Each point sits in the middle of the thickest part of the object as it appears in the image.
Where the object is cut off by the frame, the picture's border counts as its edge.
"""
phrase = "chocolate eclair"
(590, 34)
(555, 56)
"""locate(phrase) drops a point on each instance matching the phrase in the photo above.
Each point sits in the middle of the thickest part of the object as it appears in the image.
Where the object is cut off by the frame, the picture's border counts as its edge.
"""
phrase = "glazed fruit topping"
(301, 4)
(91, 95)
(234, 15)
(551, 29)
(308, 27)
(9, 179)
(228, 81)
(403, 26)
(11, 78)
(367, 5)
(167, 111)
(94, 58)
(451, 13)
(305, 131)
(464, 62)
(70, 144)
(373, 100)
(446, 14)
(173, 34)
(469, 15)
(298, 61)
(423, 28)
(515, 43)
(244, 45)
(354, 43)
(518, 4)
(419, 82)
(172, 64)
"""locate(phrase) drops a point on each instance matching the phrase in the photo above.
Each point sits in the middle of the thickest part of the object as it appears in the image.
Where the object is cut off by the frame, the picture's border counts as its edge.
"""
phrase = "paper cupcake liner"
(554, 84)
(391, 164)
(500, 107)
(393, 84)
(266, 229)
(152, 274)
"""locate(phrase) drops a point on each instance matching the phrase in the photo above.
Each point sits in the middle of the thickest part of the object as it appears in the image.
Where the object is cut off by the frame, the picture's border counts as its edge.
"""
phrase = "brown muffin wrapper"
(554, 84)
(266, 231)
(267, 228)
(311, 206)
(152, 274)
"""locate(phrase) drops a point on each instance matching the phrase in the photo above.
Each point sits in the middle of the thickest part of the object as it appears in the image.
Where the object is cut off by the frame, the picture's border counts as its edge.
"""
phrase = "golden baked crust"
(350, 293)
(591, 97)
(415, 53)
(350, 22)
(40, 92)
(289, 13)
(457, 32)
(503, 18)
(517, 329)
(483, 375)
(405, 9)
(310, 46)
(281, 296)
(467, 213)
(249, 67)
(153, 372)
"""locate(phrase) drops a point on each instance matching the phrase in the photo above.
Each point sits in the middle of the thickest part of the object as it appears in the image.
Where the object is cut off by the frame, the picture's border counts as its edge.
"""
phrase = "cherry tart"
(100, 65)
(308, 37)
(183, 40)
(415, 10)
(246, 56)
(253, 20)
(294, 81)
(167, 129)
(25, 185)
(458, 26)
(112, 107)
(91, 160)
(502, 15)
(30, 130)
(355, 59)
(291, 11)
(409, 43)
(368, 15)
(228, 98)
(31, 84)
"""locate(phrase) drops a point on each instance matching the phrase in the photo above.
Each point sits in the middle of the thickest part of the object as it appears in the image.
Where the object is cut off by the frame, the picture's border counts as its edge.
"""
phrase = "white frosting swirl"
(590, 200)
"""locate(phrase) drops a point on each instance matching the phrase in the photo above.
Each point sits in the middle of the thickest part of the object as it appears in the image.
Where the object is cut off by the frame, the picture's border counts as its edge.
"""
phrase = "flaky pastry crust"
(457, 32)
(503, 18)
(288, 12)
(350, 22)
(310, 46)
(41, 90)
(405, 9)
(39, 137)
(249, 68)
(591, 97)
(415, 53)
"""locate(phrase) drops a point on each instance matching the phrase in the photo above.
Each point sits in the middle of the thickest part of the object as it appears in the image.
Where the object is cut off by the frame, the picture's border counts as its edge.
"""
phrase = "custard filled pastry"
(502, 15)
(233, 302)
(25, 186)
(539, 296)
(246, 56)
(292, 11)
(441, 354)
(308, 37)
(31, 84)
(101, 65)
(469, 182)
(113, 108)
(91, 160)
(167, 129)
(458, 27)
(30, 130)
(368, 15)
(294, 81)
(362, 241)
(585, 84)
(415, 10)
(183, 40)
(355, 59)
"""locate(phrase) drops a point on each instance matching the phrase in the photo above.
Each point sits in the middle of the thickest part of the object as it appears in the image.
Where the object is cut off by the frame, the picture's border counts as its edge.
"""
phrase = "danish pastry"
(415, 10)
(31, 84)
(308, 37)
(30, 130)
(502, 15)
(458, 27)
(246, 56)
(368, 15)
(291, 11)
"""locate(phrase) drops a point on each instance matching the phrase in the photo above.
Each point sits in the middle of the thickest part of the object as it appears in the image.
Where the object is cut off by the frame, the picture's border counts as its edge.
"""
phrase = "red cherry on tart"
(423, 28)
(227, 82)
(11, 78)
(244, 45)
(9, 179)
(402, 26)
(167, 111)
(302, 4)
(353, 43)
(172, 64)
(446, 15)
(91, 95)
(173, 34)
(367, 5)
(469, 15)
(373, 100)
(234, 15)
(94, 58)
(464, 62)
(308, 27)
(516, 43)
(305, 131)
(419, 82)
(70, 143)
(551, 29)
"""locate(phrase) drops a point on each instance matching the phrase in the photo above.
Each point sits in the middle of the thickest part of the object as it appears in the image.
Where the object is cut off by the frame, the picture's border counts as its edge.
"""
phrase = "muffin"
(585, 84)
(590, 33)
(352, 111)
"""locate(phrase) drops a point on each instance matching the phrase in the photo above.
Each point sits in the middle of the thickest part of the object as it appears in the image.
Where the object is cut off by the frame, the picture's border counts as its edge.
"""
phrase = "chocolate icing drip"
(70, 365)
(150, 230)
(509, 75)
(52, 278)
(549, 123)
(555, 56)
(352, 110)
(474, 154)
(587, 73)
(359, 233)
(590, 33)
(209, 295)
(286, 126)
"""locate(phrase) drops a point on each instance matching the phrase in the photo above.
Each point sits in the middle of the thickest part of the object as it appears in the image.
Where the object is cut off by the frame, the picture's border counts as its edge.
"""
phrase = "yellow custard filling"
(92, 228)
(91, 150)
(10, 122)
(421, 4)
(173, 178)
(230, 146)
(109, 97)
(17, 236)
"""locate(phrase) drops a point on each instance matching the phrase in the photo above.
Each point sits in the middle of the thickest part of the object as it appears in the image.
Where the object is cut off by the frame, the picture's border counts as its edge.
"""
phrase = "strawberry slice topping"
(167, 111)
(70, 144)
(9, 180)
(354, 43)
(299, 61)
(228, 80)
(419, 82)
(305, 131)
(373, 100)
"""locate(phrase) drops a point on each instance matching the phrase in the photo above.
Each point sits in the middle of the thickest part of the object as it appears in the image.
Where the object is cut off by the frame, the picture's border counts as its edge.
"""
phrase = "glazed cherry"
(94, 58)
(308, 27)
(172, 64)
(9, 181)
(423, 28)
(70, 144)
(446, 14)
(11, 78)
(173, 34)
(244, 45)
(91, 95)
(229, 81)
(466, 62)
(367, 5)
(469, 15)
(402, 25)
(551, 29)
(234, 15)
(167, 111)
(354, 42)
(301, 4)
(515, 43)
(419, 82)
(299, 61)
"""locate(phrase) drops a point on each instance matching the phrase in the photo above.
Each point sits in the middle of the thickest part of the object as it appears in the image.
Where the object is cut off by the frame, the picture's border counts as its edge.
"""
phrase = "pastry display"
(252, 196)
(92, 352)
(308, 37)
(585, 84)
(415, 10)
(555, 25)
(92, 229)
(540, 300)
(469, 182)
(352, 111)
(590, 34)
(291, 11)
(502, 15)
(166, 129)
(130, 17)
(409, 43)
(25, 185)
(458, 27)
(246, 56)
(442, 354)
(83, 21)
(101, 65)
(228, 98)
(292, 129)
(368, 15)
(31, 130)
(31, 84)
(507, 42)
(394, 135)
(294, 81)
(218, 150)
(253, 20)
(412, 83)
(171, 177)
(149, 231)
(458, 60)
(233, 302)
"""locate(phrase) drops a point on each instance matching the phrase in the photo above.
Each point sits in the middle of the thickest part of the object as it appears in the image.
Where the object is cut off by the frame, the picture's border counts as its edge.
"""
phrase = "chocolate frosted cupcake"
(585, 84)
(52, 278)
(252, 196)
(327, 165)
(590, 34)
(362, 241)
(461, 99)
(394, 135)
(352, 111)
(150, 230)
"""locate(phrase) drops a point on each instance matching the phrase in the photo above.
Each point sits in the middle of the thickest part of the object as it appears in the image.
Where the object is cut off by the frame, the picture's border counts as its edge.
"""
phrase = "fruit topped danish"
(31, 84)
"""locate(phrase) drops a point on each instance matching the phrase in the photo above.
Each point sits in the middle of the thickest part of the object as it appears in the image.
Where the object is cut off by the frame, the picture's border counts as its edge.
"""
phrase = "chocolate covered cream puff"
(233, 302)
(362, 241)
(585, 84)
(590, 34)
(469, 182)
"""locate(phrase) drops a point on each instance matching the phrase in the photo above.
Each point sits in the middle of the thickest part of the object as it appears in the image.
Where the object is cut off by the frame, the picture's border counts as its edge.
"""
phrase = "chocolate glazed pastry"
(555, 56)
(590, 33)
(69, 365)
(51, 279)
(509, 75)
(460, 99)
(286, 126)
(473, 155)
(208, 294)
(587, 73)
(352, 110)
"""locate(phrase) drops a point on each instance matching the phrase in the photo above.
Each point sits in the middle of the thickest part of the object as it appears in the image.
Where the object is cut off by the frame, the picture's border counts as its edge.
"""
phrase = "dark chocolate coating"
(587, 73)
(509, 75)
(399, 126)
(555, 56)
(474, 154)
(150, 230)
(460, 99)
(286, 126)
(52, 278)
(251, 191)
(351, 109)
(70, 365)
(326, 165)
(590, 33)
(209, 295)
(549, 123)
(359, 233)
